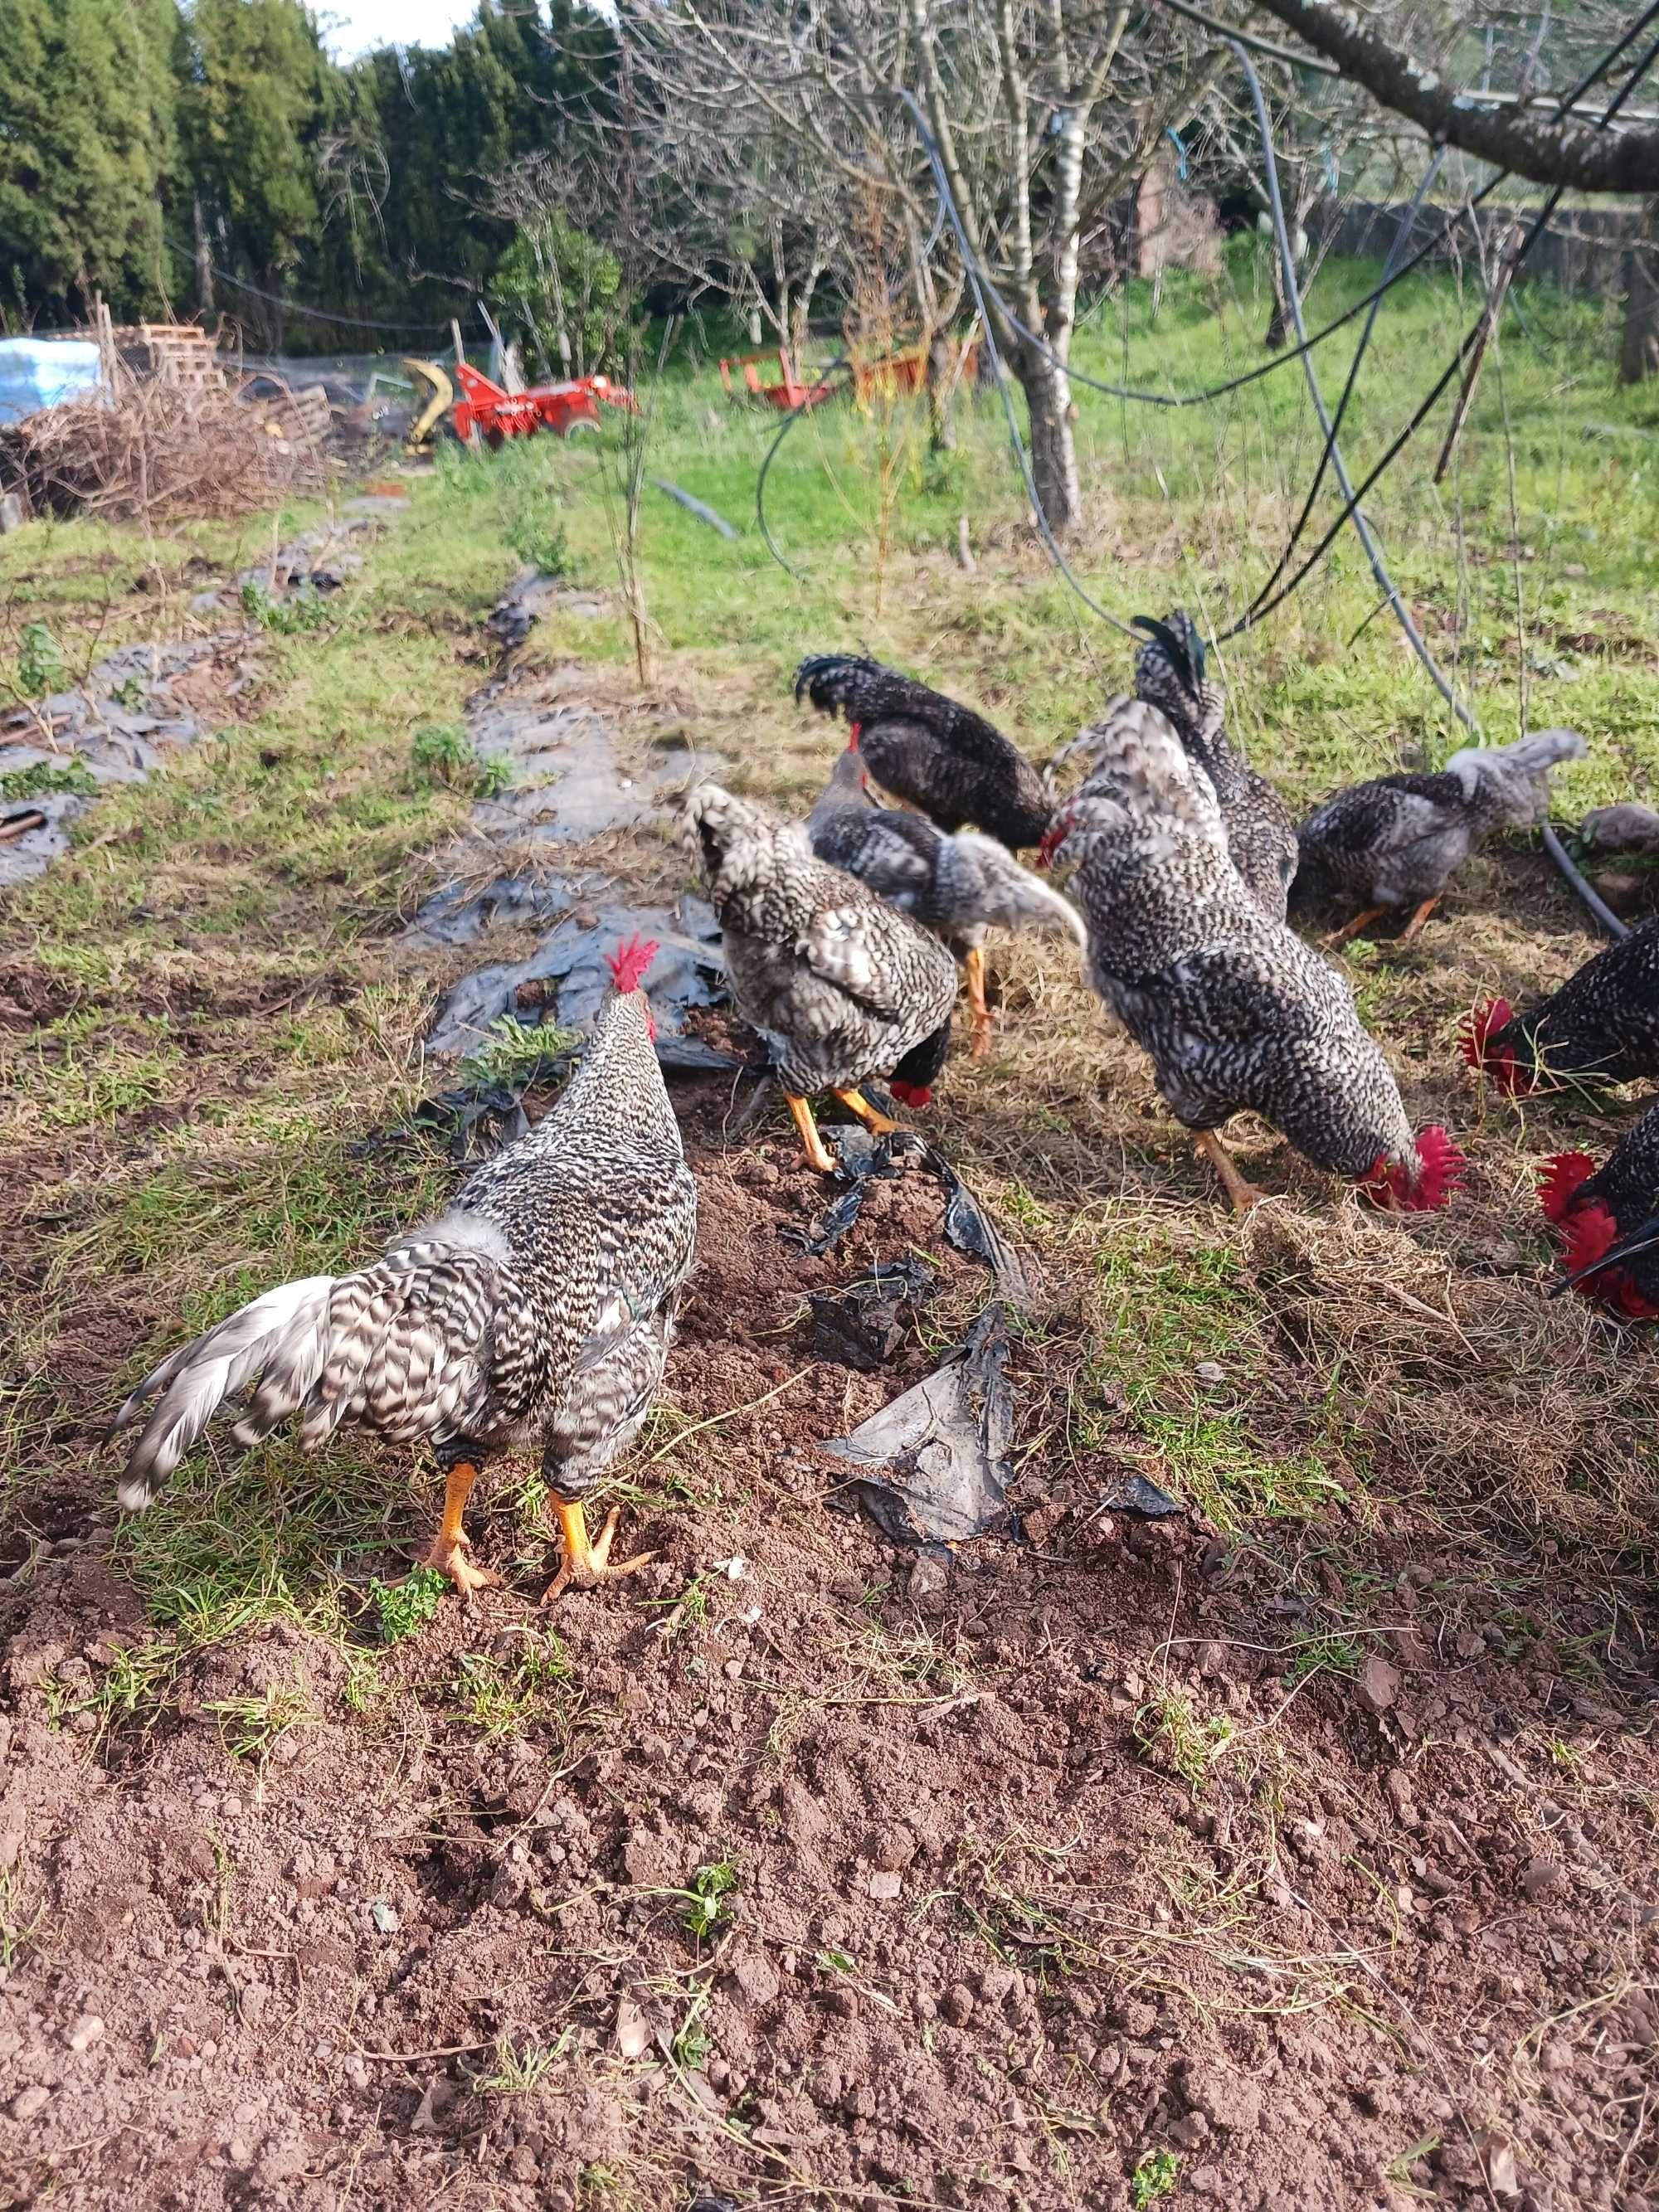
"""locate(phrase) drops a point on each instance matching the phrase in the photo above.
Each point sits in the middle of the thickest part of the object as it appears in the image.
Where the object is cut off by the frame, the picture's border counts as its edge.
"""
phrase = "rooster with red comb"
(1600, 1028)
(534, 1313)
(1234, 1009)
(1609, 1220)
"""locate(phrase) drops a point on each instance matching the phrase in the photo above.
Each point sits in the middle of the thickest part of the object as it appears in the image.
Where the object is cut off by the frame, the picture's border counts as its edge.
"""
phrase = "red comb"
(628, 963)
(1592, 1232)
(1492, 1014)
(1562, 1177)
(1440, 1169)
(853, 729)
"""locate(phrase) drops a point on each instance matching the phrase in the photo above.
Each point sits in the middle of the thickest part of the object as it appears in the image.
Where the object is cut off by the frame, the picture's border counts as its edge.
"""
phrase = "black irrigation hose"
(784, 428)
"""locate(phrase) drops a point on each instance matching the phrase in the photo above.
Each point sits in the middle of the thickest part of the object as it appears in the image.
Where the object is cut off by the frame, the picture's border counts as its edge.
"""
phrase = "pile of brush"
(150, 451)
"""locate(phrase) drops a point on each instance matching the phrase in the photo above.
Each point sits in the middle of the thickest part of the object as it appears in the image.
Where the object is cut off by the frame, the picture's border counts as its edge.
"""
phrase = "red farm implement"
(787, 393)
(561, 408)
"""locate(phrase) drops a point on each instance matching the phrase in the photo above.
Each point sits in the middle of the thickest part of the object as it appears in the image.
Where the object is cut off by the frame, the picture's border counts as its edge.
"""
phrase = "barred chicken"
(1600, 1028)
(951, 763)
(535, 1312)
(1260, 834)
(1234, 1009)
(959, 887)
(1609, 1220)
(841, 985)
(1396, 840)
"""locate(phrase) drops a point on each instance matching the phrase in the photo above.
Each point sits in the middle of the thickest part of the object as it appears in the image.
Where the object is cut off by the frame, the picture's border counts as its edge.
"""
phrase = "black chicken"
(1609, 1218)
(950, 763)
(1600, 1028)
(1260, 834)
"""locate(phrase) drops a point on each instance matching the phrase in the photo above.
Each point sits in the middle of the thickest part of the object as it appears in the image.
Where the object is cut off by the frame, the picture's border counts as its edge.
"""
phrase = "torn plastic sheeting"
(936, 1461)
(861, 1327)
(567, 781)
(1135, 1495)
(688, 972)
(456, 915)
(864, 1159)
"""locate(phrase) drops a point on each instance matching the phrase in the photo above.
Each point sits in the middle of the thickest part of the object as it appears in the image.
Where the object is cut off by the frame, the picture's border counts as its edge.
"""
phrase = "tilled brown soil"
(987, 1941)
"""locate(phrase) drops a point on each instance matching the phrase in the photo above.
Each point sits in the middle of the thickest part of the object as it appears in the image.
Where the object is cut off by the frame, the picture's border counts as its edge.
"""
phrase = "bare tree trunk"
(203, 261)
(1639, 353)
(1053, 449)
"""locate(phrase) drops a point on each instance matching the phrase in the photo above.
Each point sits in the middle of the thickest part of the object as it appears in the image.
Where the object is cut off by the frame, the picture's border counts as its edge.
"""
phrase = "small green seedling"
(442, 753)
(1154, 2177)
(708, 1886)
(302, 609)
(402, 1607)
(40, 661)
(46, 779)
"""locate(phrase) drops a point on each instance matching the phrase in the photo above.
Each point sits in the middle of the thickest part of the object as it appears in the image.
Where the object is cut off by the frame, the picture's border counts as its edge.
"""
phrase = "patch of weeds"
(134, 1680)
(703, 1909)
(1328, 1653)
(131, 692)
(251, 1728)
(688, 1611)
(40, 666)
(496, 1696)
(514, 2068)
(540, 544)
(1169, 1727)
(402, 1608)
(300, 611)
(443, 754)
(17, 1933)
(510, 1056)
(47, 779)
(1154, 2177)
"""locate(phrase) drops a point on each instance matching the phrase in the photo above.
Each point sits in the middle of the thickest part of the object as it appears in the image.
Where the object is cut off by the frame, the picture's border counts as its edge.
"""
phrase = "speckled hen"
(1609, 1220)
(959, 886)
(535, 1313)
(1170, 676)
(1600, 1028)
(1235, 1010)
(1396, 842)
(841, 984)
(943, 758)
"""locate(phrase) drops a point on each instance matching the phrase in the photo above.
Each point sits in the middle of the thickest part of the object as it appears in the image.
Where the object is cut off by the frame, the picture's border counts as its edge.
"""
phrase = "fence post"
(1638, 351)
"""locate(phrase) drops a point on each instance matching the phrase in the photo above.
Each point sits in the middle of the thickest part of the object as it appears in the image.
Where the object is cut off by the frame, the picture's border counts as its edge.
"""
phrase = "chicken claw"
(586, 1564)
(1243, 1194)
(819, 1154)
(973, 962)
(1361, 922)
(879, 1124)
(450, 1559)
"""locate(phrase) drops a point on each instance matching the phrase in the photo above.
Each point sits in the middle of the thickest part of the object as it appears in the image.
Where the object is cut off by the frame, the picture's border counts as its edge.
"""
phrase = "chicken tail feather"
(980, 881)
(285, 1334)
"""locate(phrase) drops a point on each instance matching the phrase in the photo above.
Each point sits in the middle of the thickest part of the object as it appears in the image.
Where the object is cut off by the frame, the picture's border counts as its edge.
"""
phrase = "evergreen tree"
(87, 150)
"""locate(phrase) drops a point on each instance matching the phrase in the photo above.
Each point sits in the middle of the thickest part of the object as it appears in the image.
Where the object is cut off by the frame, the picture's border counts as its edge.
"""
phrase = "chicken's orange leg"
(587, 1564)
(1419, 918)
(449, 1547)
(819, 1154)
(1243, 1194)
(1352, 928)
(882, 1125)
(972, 964)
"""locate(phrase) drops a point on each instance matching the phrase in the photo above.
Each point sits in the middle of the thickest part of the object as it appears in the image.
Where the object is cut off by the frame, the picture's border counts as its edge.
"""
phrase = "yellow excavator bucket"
(440, 397)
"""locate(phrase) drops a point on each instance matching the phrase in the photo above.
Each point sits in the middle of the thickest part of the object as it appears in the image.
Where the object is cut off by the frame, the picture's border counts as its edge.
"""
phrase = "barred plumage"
(1233, 1008)
(841, 984)
(1396, 841)
(1170, 675)
(930, 751)
(535, 1312)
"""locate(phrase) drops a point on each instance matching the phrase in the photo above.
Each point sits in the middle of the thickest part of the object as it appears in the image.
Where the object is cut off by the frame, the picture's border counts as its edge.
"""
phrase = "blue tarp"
(37, 373)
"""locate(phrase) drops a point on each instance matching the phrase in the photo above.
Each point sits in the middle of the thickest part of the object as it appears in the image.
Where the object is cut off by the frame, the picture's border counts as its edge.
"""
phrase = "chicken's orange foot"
(1243, 1194)
(973, 965)
(1418, 919)
(881, 1124)
(447, 1551)
(1351, 928)
(587, 1564)
(819, 1154)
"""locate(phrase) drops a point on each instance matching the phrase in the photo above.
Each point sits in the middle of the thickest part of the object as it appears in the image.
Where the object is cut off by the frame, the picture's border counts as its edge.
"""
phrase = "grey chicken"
(535, 1312)
(1234, 1009)
(942, 758)
(841, 984)
(1396, 840)
(1260, 834)
(959, 887)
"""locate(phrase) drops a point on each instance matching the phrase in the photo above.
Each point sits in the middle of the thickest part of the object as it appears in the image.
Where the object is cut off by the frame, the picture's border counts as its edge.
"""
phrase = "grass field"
(1394, 1443)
